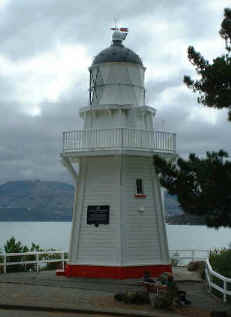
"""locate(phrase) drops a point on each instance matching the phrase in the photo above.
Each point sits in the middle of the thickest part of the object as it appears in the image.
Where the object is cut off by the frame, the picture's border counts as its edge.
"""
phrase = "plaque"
(98, 215)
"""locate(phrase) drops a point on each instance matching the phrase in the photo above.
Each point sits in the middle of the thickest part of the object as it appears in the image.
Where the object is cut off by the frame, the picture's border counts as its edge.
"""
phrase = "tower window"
(139, 186)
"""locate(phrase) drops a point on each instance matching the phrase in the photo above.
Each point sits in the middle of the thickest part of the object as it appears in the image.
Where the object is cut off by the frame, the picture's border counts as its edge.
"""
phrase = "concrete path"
(46, 291)
(16, 313)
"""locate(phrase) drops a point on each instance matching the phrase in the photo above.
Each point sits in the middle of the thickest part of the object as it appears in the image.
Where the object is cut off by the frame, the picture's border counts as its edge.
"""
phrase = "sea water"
(57, 235)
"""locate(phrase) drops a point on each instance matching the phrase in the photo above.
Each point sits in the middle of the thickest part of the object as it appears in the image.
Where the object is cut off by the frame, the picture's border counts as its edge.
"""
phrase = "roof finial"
(116, 22)
(119, 34)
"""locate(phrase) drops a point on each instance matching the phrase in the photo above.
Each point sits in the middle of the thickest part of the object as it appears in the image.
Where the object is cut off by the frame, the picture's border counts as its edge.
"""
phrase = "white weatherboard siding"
(145, 243)
(99, 181)
(132, 237)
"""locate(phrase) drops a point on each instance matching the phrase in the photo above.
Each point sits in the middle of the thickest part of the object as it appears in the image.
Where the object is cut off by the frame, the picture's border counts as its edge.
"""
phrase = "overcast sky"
(47, 47)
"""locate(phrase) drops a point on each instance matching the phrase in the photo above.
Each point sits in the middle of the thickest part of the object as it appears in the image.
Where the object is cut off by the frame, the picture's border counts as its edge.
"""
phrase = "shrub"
(175, 260)
(198, 266)
(220, 261)
(138, 298)
(13, 246)
(52, 265)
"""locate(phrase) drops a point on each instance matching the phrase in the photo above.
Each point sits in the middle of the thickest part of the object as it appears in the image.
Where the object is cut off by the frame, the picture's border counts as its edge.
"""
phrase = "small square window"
(139, 186)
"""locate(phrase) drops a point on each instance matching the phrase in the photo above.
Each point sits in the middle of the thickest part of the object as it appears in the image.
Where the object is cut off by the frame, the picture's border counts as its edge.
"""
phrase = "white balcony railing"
(118, 139)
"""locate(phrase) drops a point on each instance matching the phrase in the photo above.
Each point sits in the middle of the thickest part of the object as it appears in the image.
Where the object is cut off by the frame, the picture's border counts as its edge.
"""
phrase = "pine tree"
(214, 83)
(202, 186)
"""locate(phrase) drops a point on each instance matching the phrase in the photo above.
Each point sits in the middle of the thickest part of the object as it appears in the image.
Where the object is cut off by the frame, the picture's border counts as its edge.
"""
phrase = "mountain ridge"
(36, 200)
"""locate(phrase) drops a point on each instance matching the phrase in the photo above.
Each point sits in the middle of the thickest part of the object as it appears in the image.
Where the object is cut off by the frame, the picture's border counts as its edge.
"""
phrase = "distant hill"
(36, 201)
(49, 201)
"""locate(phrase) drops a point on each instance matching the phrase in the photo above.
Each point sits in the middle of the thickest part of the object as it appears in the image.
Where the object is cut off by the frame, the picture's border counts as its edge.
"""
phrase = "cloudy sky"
(47, 47)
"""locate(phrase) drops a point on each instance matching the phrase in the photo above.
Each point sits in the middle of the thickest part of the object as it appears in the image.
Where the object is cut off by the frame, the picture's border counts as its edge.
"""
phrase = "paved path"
(45, 290)
(14, 313)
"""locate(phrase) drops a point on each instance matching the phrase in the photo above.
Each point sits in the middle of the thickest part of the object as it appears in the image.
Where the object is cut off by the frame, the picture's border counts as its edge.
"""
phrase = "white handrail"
(38, 259)
(192, 255)
(118, 139)
(210, 272)
(189, 255)
(34, 253)
(185, 254)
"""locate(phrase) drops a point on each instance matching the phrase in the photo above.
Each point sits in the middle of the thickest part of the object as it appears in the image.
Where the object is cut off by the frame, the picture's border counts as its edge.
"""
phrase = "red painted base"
(115, 272)
(60, 273)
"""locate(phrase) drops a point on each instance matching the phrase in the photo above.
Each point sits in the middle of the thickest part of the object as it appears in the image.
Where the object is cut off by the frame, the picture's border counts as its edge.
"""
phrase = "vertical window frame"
(139, 188)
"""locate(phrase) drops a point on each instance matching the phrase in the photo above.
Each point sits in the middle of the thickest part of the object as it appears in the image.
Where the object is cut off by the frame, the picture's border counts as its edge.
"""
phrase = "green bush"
(52, 265)
(198, 266)
(220, 261)
(138, 298)
(13, 246)
(175, 259)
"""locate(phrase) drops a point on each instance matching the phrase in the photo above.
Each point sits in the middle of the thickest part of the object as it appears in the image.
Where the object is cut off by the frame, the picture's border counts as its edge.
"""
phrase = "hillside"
(36, 201)
(48, 201)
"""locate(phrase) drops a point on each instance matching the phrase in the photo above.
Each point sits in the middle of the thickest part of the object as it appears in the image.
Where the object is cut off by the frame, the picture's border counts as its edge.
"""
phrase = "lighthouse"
(118, 228)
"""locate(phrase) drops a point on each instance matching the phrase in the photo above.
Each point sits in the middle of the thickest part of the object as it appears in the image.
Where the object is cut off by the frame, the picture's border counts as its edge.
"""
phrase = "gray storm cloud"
(160, 32)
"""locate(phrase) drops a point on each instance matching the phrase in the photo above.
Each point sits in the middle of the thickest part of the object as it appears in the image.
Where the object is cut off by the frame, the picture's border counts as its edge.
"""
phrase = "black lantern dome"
(117, 52)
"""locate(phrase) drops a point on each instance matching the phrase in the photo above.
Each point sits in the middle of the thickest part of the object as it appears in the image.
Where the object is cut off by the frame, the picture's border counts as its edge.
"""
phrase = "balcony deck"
(83, 142)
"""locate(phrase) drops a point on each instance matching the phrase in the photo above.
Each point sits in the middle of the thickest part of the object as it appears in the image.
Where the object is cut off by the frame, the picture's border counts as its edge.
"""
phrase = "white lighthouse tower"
(118, 228)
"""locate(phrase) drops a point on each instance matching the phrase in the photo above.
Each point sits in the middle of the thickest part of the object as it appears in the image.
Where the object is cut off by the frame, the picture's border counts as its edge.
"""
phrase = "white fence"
(210, 275)
(40, 258)
(119, 138)
(181, 257)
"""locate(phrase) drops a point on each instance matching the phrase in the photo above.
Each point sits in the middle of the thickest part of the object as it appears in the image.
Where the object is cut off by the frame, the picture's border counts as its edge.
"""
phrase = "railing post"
(37, 262)
(5, 263)
(225, 289)
(174, 144)
(208, 277)
(63, 262)
(63, 141)
(193, 255)
(121, 137)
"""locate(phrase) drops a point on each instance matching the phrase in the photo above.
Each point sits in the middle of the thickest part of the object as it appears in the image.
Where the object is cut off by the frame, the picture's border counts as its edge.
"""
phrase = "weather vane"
(123, 30)
(116, 22)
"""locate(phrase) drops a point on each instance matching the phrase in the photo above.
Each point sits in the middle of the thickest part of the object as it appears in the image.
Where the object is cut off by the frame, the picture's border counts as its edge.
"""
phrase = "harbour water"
(57, 234)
